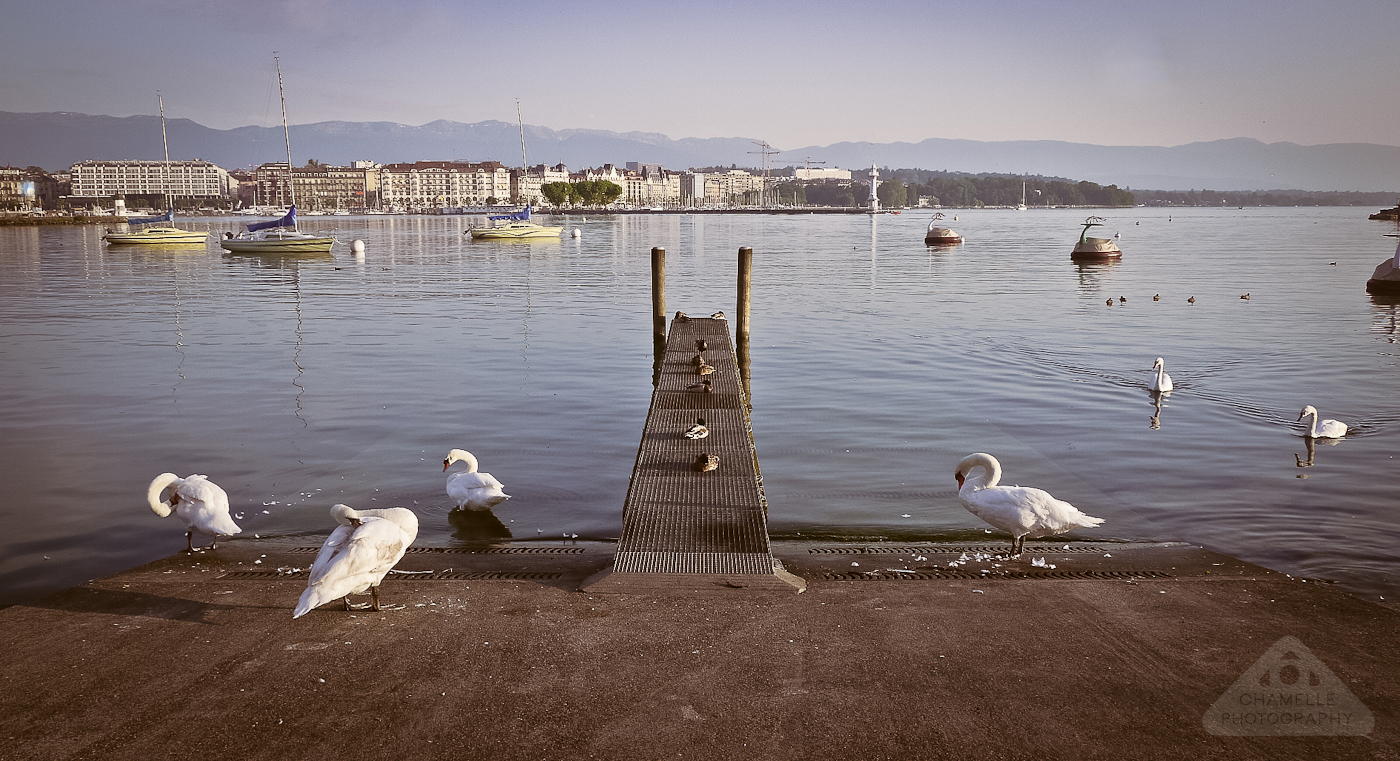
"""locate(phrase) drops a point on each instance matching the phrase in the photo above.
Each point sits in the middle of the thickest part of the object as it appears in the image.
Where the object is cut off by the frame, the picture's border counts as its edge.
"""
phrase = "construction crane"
(766, 150)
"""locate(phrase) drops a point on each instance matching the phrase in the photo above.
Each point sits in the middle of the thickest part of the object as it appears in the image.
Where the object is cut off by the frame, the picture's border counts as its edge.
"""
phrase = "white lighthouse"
(874, 183)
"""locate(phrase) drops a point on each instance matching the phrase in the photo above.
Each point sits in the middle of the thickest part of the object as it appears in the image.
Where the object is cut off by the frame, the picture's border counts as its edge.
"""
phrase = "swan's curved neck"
(989, 475)
(156, 490)
(466, 457)
(1313, 427)
(1161, 370)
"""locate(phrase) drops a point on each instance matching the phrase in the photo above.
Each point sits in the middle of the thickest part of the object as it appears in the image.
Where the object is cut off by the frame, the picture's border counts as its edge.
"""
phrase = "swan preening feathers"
(1327, 429)
(199, 502)
(1018, 510)
(356, 556)
(470, 489)
(1161, 382)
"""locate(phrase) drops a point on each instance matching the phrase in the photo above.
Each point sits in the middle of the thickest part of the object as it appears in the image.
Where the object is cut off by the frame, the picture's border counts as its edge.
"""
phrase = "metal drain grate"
(434, 576)
(932, 575)
(990, 549)
(480, 551)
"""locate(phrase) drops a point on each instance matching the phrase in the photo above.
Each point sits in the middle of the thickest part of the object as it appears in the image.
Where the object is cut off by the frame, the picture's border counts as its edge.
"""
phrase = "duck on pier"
(706, 462)
(700, 345)
(472, 490)
(705, 369)
(357, 556)
(682, 316)
(697, 360)
(704, 385)
(199, 502)
(1018, 510)
(717, 316)
(697, 431)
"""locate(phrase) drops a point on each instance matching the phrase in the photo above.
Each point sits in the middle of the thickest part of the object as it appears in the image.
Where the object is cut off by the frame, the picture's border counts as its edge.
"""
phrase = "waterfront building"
(26, 189)
(733, 187)
(821, 173)
(437, 184)
(525, 184)
(195, 179)
(692, 190)
(318, 186)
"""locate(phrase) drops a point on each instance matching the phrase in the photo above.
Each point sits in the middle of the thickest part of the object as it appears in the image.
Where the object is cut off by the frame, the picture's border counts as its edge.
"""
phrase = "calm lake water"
(877, 364)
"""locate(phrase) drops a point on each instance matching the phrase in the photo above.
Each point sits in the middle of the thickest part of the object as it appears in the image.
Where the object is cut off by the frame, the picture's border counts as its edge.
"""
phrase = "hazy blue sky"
(793, 73)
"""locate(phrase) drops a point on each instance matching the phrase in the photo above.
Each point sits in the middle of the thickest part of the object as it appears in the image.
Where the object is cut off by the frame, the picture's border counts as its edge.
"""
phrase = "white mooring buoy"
(358, 247)
(576, 233)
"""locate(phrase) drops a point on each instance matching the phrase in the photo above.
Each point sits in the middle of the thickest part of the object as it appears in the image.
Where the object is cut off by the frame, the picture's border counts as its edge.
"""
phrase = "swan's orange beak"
(959, 476)
(446, 464)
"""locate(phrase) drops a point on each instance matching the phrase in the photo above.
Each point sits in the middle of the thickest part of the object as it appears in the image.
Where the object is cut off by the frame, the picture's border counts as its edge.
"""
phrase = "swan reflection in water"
(477, 525)
(1155, 422)
(1311, 444)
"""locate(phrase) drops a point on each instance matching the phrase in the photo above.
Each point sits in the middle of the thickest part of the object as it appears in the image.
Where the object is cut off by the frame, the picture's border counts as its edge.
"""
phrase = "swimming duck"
(1327, 429)
(697, 431)
(472, 490)
(199, 502)
(1108, 302)
(717, 316)
(706, 462)
(1161, 382)
(1156, 297)
(705, 385)
(357, 556)
(1191, 300)
(1122, 299)
(1244, 296)
(1018, 510)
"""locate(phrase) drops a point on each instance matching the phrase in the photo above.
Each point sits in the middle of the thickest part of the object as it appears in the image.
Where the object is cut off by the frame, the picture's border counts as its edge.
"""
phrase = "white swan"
(1018, 510)
(357, 555)
(472, 490)
(199, 502)
(1161, 382)
(1327, 429)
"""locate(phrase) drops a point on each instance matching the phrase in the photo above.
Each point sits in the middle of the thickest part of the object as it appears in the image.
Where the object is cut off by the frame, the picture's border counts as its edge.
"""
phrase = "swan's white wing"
(1023, 509)
(204, 506)
(473, 481)
(333, 546)
(355, 564)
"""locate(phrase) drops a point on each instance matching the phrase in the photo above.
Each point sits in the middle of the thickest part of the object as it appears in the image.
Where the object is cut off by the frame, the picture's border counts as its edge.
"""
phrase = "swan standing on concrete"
(357, 555)
(1327, 429)
(1161, 382)
(1018, 510)
(199, 502)
(472, 490)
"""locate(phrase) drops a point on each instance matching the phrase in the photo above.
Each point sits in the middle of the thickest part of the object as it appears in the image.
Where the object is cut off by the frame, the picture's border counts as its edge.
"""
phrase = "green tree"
(892, 193)
(491, 200)
(609, 192)
(557, 193)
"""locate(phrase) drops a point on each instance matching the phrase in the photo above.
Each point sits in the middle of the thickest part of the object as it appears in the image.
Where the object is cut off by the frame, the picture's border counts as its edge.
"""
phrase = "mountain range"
(56, 140)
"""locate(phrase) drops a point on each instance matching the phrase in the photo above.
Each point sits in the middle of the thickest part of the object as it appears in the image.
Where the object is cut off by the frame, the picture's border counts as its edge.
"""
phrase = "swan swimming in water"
(357, 555)
(1161, 382)
(199, 502)
(470, 489)
(1327, 429)
(1018, 510)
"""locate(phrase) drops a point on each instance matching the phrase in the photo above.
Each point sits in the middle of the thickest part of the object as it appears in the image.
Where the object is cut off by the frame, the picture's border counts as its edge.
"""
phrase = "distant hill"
(57, 140)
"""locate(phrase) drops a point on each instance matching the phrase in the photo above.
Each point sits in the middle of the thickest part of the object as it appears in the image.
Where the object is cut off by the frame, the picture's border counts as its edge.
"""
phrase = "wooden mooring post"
(741, 320)
(658, 311)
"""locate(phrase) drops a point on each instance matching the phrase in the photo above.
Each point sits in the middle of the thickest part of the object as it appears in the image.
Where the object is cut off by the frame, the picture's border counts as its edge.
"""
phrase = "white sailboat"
(279, 236)
(515, 226)
(157, 233)
(1022, 205)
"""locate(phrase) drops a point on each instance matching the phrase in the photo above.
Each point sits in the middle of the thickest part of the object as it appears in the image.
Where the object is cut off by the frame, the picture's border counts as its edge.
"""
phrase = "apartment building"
(525, 185)
(318, 186)
(180, 179)
(434, 184)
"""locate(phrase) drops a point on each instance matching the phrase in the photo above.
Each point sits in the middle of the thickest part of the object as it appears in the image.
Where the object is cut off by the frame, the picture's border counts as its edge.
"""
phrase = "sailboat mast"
(286, 133)
(169, 205)
(524, 162)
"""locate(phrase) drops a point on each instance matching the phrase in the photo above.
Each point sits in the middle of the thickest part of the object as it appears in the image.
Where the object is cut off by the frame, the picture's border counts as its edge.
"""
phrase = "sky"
(795, 74)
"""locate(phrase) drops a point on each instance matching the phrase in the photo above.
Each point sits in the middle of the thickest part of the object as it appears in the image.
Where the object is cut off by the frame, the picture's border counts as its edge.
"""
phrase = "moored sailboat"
(157, 233)
(279, 236)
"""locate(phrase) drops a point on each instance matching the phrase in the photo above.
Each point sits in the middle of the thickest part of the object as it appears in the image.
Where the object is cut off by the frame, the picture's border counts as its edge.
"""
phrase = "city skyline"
(792, 74)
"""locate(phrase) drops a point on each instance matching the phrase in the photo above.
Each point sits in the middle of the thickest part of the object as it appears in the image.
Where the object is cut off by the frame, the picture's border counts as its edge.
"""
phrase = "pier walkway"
(681, 526)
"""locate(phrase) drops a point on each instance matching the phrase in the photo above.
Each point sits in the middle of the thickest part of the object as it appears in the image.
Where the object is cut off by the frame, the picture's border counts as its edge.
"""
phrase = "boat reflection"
(1092, 275)
(476, 525)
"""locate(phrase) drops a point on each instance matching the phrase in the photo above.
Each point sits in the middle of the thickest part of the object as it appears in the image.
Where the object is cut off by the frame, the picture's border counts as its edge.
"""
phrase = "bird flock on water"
(367, 544)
